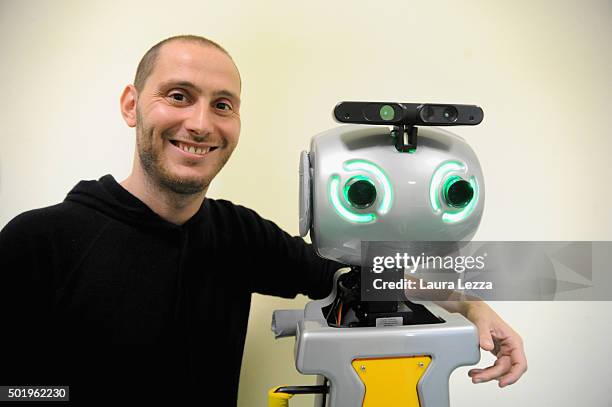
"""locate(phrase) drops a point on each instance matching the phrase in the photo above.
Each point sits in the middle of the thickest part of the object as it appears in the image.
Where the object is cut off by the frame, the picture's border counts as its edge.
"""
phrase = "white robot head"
(358, 184)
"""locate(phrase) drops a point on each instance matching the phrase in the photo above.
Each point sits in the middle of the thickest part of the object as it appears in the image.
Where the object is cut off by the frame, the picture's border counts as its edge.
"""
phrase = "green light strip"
(362, 165)
(461, 215)
(436, 180)
(334, 190)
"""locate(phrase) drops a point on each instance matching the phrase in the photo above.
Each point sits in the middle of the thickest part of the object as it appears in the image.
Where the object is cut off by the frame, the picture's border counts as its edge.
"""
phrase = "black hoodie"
(102, 294)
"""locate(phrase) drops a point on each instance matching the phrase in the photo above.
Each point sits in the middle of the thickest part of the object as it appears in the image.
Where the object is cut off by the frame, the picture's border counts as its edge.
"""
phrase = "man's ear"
(128, 101)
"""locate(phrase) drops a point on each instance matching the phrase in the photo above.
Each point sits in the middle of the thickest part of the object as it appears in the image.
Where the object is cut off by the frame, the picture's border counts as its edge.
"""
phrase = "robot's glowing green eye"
(360, 192)
(379, 174)
(454, 217)
(460, 196)
(334, 186)
(363, 191)
(457, 192)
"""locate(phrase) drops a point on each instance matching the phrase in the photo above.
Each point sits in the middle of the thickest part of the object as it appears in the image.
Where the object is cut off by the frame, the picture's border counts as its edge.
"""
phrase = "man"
(142, 289)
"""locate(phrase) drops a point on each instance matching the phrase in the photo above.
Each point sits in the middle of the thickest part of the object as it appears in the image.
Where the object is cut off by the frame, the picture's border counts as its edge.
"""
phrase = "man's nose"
(199, 122)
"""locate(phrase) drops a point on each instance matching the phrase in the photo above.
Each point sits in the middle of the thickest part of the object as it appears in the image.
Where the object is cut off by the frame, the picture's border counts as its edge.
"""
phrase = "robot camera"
(408, 114)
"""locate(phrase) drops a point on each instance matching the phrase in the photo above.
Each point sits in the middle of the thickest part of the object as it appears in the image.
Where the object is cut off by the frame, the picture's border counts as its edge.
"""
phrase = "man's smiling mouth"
(192, 148)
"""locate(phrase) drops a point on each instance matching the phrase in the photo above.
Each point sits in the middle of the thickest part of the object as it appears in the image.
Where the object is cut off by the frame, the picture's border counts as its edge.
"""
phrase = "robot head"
(357, 186)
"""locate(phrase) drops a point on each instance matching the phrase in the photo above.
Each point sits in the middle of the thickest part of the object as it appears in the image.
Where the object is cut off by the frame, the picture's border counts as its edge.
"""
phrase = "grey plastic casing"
(328, 351)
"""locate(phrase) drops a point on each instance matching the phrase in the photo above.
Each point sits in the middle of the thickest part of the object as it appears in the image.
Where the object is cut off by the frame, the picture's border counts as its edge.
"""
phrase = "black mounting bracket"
(405, 138)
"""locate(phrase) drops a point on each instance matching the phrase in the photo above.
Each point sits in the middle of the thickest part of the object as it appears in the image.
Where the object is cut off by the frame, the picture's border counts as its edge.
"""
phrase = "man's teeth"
(192, 149)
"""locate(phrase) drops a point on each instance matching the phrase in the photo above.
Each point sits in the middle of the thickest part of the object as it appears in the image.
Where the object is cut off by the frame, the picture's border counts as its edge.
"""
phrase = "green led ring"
(380, 175)
(467, 211)
(334, 185)
(440, 173)
(340, 206)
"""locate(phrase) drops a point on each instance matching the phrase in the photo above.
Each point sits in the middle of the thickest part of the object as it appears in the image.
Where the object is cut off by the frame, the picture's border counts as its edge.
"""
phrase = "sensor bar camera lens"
(409, 114)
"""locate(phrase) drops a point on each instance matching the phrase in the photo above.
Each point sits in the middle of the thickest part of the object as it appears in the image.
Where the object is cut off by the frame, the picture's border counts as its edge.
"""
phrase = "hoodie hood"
(109, 197)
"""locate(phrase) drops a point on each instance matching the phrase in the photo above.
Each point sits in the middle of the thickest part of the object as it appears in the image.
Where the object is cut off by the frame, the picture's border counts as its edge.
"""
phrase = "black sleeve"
(283, 265)
(25, 300)
(24, 272)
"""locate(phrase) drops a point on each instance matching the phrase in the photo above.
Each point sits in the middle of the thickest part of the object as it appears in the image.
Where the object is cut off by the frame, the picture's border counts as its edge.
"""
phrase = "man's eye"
(223, 106)
(178, 97)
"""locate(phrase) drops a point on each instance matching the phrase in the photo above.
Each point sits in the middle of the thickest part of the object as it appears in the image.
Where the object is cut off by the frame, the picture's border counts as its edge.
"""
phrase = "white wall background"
(541, 71)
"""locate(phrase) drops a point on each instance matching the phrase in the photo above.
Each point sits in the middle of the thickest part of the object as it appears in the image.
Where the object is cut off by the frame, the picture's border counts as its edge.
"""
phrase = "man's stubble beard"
(154, 169)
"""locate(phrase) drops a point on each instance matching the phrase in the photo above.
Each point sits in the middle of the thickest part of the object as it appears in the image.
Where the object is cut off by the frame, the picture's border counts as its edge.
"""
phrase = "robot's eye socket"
(456, 198)
(458, 192)
(355, 199)
(360, 193)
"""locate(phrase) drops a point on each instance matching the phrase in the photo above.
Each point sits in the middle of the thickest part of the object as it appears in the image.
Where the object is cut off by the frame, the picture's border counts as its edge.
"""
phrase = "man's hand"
(502, 341)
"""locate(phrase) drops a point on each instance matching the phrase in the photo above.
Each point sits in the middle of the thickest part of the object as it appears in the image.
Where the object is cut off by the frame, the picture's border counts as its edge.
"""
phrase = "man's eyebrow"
(227, 94)
(180, 83)
(191, 85)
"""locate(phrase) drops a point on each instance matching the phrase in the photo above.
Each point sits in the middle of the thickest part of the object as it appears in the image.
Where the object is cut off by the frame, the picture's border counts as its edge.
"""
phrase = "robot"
(370, 182)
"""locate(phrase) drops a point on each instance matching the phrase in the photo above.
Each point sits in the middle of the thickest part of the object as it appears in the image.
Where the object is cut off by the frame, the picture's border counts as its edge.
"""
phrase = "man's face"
(188, 121)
